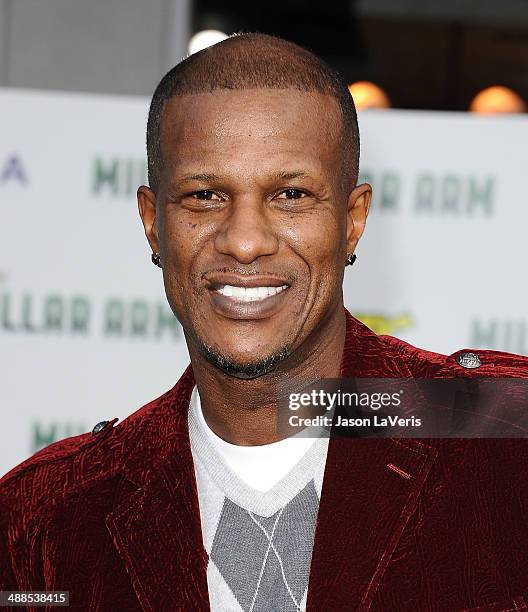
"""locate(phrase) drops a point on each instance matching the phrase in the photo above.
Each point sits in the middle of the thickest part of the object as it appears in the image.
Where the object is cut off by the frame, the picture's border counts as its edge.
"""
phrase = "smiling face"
(252, 222)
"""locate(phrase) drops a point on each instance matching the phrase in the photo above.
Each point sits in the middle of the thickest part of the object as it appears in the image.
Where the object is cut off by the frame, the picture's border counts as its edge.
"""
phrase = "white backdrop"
(85, 330)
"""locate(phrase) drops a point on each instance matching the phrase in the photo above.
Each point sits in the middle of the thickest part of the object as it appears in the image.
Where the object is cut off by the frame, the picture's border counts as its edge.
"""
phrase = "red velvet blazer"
(113, 517)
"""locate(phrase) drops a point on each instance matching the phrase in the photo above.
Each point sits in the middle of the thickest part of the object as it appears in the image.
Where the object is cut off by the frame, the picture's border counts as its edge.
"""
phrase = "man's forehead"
(245, 117)
(240, 108)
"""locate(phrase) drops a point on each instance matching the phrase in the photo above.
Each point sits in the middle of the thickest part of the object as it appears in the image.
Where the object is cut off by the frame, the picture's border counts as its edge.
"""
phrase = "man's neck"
(244, 412)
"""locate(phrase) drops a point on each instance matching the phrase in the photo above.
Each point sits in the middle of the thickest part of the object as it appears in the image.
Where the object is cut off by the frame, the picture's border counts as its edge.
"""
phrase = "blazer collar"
(156, 529)
(369, 491)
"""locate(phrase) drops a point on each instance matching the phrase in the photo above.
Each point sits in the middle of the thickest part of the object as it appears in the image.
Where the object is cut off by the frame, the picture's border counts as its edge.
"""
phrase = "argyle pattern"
(265, 561)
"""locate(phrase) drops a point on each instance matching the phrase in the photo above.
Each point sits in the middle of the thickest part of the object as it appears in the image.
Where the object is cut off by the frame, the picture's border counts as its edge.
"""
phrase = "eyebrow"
(288, 176)
(206, 176)
(202, 176)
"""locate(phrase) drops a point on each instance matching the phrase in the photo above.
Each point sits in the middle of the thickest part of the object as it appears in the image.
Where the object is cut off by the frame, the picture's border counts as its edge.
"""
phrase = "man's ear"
(147, 210)
(357, 213)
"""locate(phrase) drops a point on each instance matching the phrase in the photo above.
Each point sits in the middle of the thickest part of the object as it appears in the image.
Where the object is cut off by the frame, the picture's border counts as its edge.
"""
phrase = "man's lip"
(216, 280)
(247, 310)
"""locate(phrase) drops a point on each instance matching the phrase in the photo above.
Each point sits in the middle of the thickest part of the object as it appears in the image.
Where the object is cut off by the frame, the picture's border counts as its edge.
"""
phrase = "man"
(197, 501)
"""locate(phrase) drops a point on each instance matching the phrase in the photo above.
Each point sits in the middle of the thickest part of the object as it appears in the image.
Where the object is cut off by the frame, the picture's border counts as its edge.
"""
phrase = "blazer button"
(99, 427)
(468, 360)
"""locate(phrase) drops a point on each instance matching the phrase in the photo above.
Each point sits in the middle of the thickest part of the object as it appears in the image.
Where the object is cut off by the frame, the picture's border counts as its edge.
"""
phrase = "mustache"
(251, 271)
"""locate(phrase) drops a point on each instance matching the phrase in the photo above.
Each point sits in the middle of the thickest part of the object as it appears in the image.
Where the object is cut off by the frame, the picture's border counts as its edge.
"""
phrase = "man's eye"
(205, 194)
(291, 194)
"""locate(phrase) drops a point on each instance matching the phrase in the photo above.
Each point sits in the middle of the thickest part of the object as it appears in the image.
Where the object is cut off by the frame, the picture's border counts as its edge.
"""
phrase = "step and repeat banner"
(86, 333)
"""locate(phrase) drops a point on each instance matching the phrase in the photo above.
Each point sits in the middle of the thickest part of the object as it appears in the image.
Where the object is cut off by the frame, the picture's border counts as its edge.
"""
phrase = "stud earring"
(156, 259)
(351, 258)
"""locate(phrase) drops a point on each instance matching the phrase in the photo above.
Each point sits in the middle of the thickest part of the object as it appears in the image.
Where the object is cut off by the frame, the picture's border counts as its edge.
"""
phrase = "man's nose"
(247, 232)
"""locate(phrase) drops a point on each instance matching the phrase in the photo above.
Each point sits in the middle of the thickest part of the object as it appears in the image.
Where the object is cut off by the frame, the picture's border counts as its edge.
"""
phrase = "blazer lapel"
(369, 492)
(156, 529)
(370, 489)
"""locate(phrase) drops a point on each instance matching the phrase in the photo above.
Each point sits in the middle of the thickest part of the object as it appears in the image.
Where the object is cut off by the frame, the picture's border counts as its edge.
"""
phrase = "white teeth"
(250, 294)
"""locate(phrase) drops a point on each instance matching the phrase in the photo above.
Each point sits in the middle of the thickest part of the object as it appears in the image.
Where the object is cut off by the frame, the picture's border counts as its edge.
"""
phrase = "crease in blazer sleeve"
(7, 576)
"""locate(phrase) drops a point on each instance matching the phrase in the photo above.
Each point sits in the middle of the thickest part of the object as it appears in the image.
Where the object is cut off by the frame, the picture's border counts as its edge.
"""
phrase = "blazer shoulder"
(72, 462)
(466, 362)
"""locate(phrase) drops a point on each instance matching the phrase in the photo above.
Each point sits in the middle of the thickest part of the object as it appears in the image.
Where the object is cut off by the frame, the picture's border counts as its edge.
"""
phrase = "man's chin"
(241, 369)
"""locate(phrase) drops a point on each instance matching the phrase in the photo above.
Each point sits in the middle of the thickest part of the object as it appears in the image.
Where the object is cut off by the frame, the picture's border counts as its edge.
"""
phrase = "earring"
(156, 259)
(351, 258)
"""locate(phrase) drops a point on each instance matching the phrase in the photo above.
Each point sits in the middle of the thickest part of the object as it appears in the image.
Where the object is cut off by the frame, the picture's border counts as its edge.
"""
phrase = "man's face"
(251, 221)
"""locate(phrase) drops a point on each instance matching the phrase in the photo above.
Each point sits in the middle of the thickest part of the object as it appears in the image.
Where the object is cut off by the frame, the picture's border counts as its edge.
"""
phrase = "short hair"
(251, 61)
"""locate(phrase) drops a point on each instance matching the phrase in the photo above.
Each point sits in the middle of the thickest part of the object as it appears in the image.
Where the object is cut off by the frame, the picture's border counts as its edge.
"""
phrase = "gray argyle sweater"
(259, 544)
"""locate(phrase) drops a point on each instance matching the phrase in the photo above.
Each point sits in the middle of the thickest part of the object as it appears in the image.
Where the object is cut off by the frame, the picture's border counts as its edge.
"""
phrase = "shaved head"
(254, 61)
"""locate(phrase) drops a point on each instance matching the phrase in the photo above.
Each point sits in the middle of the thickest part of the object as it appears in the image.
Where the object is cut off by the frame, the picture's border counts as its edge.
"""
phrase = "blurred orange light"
(368, 95)
(497, 99)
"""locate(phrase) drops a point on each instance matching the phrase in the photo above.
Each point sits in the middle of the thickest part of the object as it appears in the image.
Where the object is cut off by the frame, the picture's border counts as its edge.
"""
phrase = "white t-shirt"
(260, 467)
